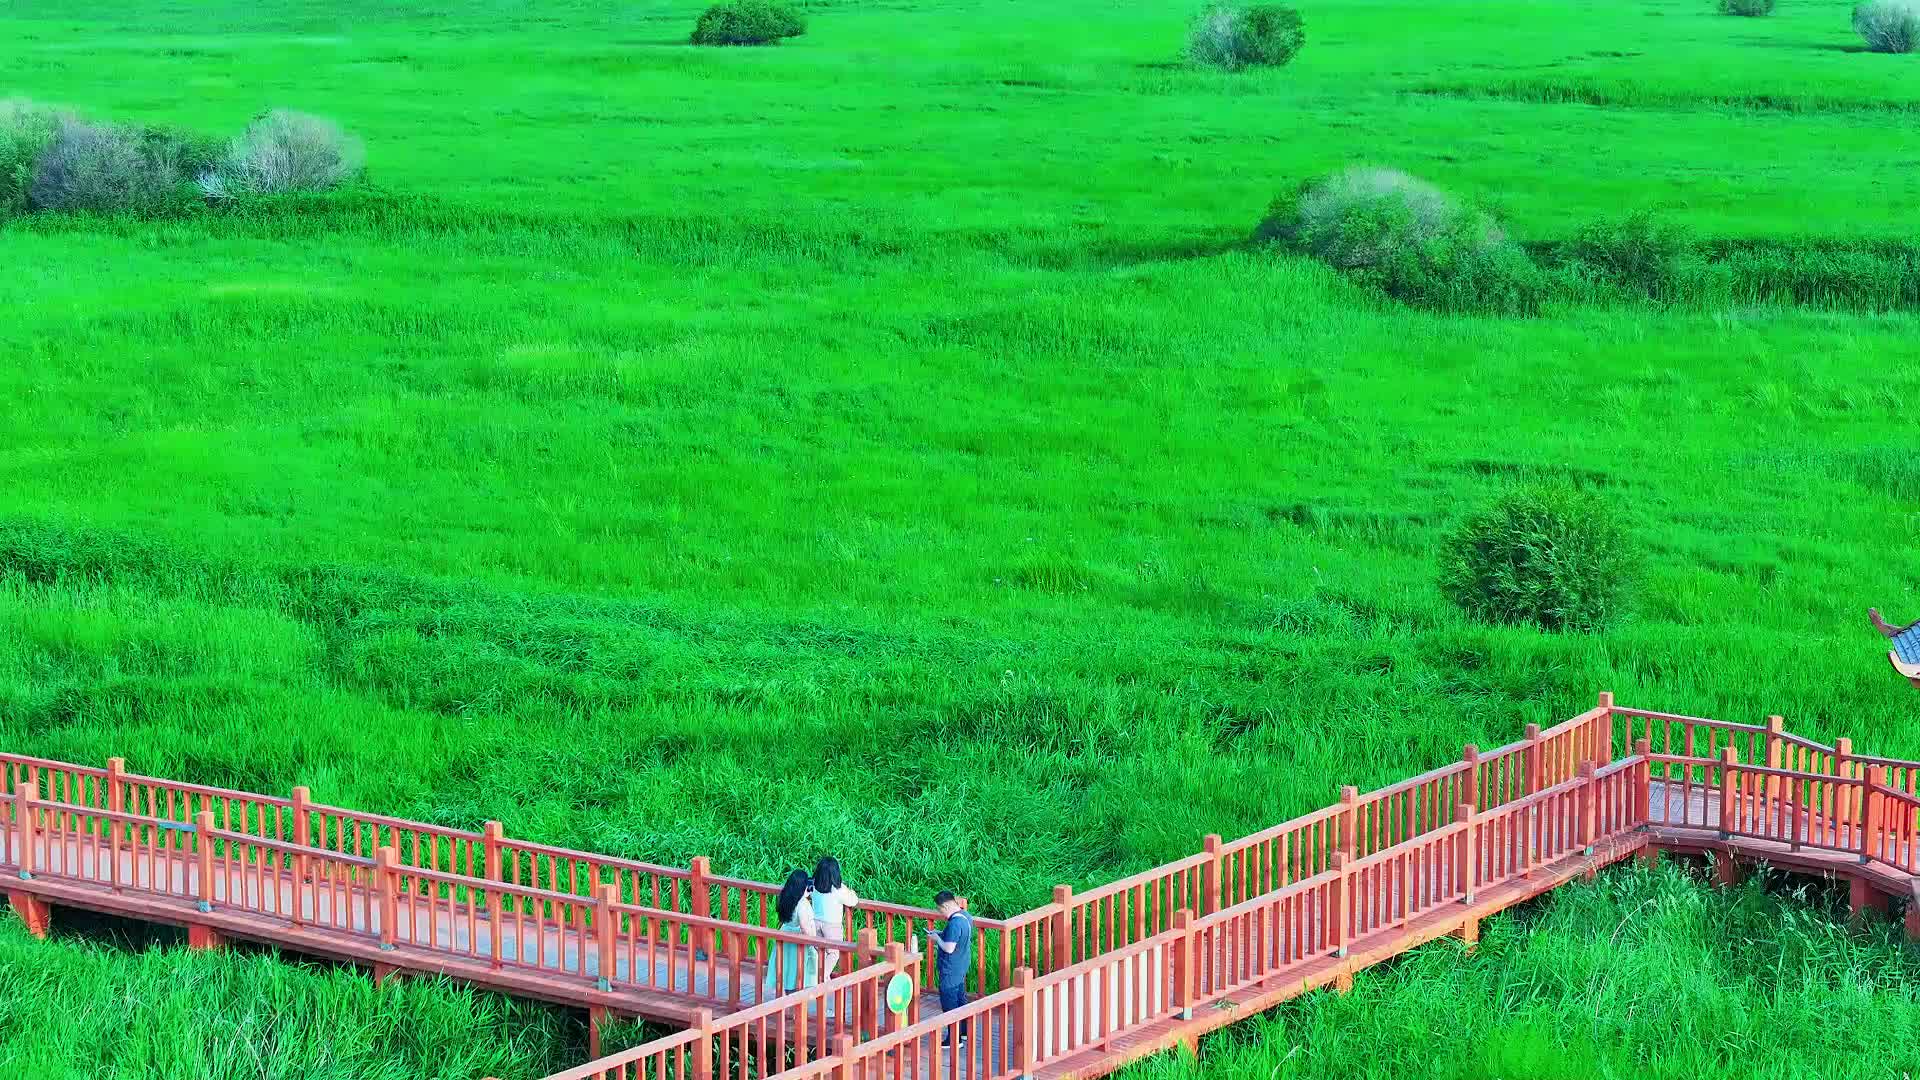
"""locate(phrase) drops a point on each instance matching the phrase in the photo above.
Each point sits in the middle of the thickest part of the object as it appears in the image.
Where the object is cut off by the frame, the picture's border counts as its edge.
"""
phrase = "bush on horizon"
(1231, 38)
(747, 22)
(284, 152)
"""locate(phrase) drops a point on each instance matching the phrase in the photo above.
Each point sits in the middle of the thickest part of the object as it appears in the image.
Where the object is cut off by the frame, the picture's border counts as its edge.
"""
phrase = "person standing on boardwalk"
(953, 955)
(831, 899)
(795, 965)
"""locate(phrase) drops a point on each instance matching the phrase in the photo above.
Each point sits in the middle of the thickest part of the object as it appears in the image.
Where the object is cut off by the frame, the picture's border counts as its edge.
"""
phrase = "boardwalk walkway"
(1074, 988)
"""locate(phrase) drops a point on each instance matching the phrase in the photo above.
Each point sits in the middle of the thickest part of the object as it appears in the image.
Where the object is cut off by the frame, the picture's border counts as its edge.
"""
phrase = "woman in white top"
(831, 899)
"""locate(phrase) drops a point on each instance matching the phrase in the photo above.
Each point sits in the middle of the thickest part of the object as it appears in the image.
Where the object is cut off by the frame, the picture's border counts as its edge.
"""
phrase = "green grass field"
(887, 444)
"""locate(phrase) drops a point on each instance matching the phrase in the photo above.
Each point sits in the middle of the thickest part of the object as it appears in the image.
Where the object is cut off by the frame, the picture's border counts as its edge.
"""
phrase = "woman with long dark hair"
(794, 966)
(831, 899)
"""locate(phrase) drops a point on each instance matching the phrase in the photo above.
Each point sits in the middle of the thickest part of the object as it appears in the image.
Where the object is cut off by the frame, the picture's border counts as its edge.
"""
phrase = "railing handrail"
(50, 763)
(598, 1067)
(1691, 721)
(1268, 899)
(1191, 862)
(1294, 824)
(204, 789)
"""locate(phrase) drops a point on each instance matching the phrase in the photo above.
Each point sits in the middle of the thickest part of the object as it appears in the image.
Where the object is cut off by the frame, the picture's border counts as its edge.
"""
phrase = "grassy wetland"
(892, 443)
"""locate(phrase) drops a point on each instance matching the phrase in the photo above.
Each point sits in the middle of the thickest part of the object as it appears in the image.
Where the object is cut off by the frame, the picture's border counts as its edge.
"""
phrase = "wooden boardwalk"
(1074, 988)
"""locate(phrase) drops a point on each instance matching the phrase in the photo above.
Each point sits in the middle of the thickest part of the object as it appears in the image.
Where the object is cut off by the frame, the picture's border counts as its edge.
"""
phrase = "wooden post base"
(1863, 898)
(205, 938)
(1726, 871)
(35, 912)
(1912, 921)
(1647, 856)
(597, 1016)
(1343, 983)
(383, 972)
(1469, 935)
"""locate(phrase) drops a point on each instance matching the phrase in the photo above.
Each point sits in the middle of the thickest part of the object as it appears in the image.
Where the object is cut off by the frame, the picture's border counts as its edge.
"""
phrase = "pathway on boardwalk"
(1073, 988)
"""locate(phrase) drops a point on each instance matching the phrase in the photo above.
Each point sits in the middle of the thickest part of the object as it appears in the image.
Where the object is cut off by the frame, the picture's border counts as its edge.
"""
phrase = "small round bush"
(1408, 238)
(1888, 26)
(107, 168)
(1230, 37)
(747, 22)
(1752, 9)
(1552, 557)
(283, 152)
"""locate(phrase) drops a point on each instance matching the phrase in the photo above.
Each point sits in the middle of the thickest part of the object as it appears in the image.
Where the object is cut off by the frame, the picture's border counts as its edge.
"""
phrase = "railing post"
(302, 799)
(1349, 820)
(1183, 964)
(24, 796)
(843, 1057)
(491, 834)
(1842, 755)
(1531, 757)
(1643, 784)
(1872, 846)
(606, 922)
(699, 902)
(116, 790)
(703, 1049)
(895, 958)
(1606, 728)
(1470, 847)
(384, 890)
(1776, 725)
(1729, 804)
(1213, 874)
(1026, 1032)
(1470, 783)
(1589, 808)
(1062, 927)
(1337, 917)
(203, 857)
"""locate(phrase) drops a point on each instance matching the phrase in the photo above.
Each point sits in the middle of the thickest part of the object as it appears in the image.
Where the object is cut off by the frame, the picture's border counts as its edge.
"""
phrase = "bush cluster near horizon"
(1232, 37)
(55, 161)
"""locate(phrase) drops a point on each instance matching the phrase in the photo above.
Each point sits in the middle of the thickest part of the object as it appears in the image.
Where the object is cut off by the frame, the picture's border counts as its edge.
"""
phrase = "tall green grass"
(885, 445)
(74, 1008)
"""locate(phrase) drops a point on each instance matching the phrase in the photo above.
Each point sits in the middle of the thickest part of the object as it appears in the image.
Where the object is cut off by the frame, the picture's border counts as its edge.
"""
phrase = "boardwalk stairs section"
(1074, 988)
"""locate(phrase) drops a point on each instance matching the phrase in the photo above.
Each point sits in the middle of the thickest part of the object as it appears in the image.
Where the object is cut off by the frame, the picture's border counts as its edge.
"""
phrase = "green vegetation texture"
(888, 445)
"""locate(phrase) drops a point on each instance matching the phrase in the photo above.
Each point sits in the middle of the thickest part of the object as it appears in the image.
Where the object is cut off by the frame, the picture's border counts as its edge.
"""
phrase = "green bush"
(1409, 239)
(25, 131)
(112, 168)
(1231, 37)
(1749, 8)
(284, 152)
(1552, 557)
(1888, 26)
(747, 22)
(1637, 254)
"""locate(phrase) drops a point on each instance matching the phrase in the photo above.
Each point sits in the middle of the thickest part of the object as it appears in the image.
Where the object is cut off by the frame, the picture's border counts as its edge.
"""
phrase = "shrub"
(1408, 238)
(283, 152)
(106, 168)
(747, 22)
(1888, 26)
(1231, 38)
(1638, 253)
(1749, 8)
(1552, 557)
(25, 130)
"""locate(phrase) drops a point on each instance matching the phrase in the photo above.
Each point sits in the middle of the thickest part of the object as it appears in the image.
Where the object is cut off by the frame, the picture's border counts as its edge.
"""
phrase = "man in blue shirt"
(952, 951)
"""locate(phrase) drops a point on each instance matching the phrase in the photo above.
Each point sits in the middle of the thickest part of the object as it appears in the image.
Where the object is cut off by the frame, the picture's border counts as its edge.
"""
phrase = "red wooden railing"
(1307, 900)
